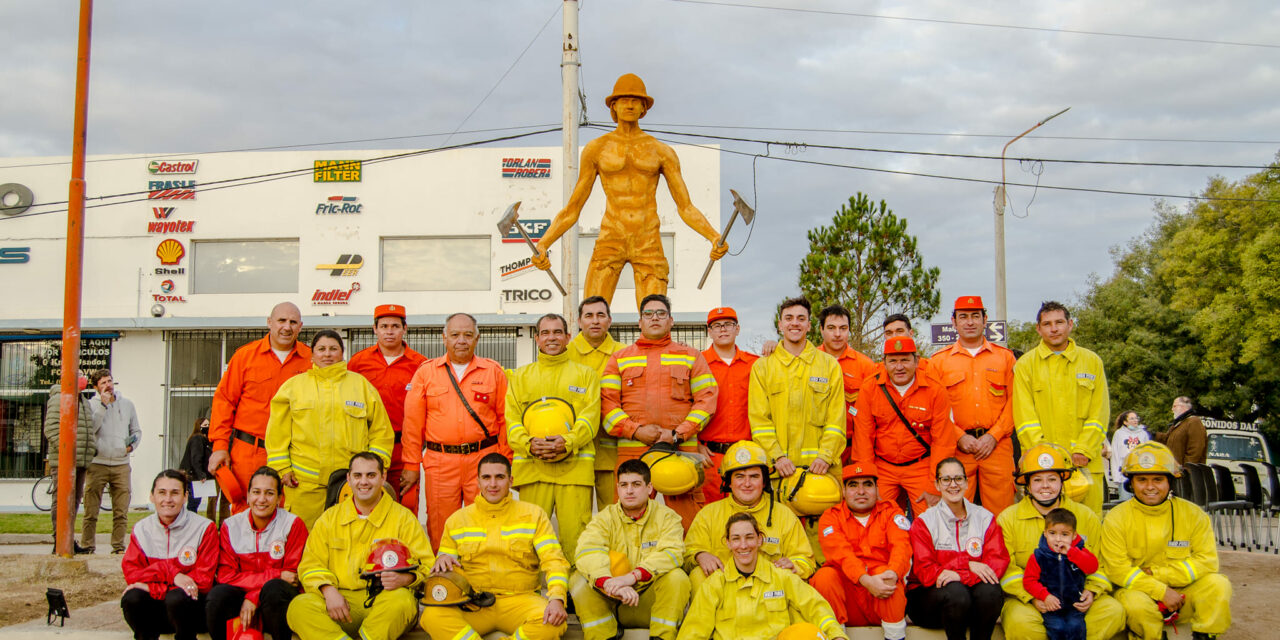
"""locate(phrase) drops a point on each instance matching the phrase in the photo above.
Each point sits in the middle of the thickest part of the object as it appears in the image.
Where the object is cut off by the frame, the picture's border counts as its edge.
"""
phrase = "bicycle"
(42, 494)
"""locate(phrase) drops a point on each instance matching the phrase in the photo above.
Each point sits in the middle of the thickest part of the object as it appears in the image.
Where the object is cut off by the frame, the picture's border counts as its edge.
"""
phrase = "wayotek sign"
(336, 171)
(536, 228)
(526, 167)
(171, 190)
(338, 205)
(335, 296)
(162, 224)
(172, 167)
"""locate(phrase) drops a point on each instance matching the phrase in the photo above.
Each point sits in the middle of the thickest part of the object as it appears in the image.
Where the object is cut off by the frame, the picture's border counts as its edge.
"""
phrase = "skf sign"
(348, 265)
(526, 167)
(535, 228)
(15, 255)
(336, 171)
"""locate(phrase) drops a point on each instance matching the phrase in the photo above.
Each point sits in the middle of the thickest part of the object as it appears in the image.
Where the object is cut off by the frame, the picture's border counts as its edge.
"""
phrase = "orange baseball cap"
(722, 313)
(860, 470)
(381, 310)
(899, 346)
(969, 303)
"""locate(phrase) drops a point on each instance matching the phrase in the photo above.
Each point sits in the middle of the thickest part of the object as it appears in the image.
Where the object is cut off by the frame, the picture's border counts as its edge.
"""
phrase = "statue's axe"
(740, 208)
(512, 219)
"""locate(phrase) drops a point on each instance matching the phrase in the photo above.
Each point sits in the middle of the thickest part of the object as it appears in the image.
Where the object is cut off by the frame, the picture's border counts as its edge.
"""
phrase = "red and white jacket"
(158, 553)
(941, 541)
(249, 557)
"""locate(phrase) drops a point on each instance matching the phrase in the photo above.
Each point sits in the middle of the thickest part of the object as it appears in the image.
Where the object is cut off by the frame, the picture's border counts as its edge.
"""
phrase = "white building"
(184, 258)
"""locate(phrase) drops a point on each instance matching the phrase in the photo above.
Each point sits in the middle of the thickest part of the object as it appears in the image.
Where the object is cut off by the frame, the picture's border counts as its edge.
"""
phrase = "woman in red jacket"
(959, 557)
(169, 564)
(258, 562)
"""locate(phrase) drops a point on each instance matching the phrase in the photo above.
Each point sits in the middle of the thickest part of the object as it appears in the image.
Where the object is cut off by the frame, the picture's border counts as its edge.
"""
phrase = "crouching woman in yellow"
(755, 600)
(1160, 550)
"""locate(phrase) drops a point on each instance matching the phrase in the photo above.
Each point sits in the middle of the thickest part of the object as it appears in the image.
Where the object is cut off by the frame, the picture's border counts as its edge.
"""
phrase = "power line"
(990, 25)
(231, 183)
(273, 148)
(970, 156)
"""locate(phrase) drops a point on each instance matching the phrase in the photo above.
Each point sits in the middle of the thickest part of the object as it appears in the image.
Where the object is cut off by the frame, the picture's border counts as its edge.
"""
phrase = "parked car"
(1236, 444)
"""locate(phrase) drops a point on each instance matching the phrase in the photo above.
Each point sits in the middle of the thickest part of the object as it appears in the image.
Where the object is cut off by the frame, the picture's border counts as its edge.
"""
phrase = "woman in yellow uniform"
(319, 419)
(754, 600)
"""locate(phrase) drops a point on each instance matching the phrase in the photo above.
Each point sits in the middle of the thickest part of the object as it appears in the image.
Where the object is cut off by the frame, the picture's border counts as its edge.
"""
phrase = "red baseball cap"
(381, 310)
(860, 470)
(899, 346)
(722, 313)
(969, 303)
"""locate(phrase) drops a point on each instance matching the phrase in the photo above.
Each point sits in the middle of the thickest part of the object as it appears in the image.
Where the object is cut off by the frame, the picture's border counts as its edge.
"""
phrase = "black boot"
(1200, 635)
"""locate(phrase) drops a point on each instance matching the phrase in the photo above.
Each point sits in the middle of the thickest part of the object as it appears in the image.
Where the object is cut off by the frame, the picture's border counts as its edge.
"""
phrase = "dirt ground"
(24, 578)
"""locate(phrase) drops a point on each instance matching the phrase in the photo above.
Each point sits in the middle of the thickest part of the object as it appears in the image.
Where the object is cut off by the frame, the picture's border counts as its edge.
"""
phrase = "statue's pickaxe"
(512, 219)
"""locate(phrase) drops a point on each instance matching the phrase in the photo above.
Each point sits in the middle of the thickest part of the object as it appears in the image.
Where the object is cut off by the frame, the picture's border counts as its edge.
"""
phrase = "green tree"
(868, 262)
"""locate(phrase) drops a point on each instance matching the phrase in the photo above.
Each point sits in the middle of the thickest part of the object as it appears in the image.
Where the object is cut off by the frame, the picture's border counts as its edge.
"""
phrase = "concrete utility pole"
(1002, 305)
(569, 65)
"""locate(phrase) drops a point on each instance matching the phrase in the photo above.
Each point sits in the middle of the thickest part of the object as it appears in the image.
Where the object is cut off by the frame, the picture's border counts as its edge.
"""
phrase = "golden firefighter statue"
(628, 161)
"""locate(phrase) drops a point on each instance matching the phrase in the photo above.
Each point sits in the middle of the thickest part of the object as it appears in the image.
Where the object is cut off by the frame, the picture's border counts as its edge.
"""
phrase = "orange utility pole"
(71, 295)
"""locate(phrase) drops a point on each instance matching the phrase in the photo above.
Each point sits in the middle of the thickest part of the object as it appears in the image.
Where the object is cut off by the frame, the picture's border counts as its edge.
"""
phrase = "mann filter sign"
(337, 171)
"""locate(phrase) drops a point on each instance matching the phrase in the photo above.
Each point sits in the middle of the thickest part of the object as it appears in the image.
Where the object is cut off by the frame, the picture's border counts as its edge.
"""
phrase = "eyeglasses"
(723, 326)
(952, 480)
(656, 314)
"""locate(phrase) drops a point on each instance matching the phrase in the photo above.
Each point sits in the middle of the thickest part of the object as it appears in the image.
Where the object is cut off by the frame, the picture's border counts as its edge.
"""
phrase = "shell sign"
(170, 251)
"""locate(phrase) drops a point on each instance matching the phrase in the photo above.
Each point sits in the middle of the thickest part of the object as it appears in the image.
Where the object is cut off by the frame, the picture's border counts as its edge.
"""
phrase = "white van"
(1235, 444)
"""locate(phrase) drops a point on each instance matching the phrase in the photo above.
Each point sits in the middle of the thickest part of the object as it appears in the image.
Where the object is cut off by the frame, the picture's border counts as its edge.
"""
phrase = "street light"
(1002, 306)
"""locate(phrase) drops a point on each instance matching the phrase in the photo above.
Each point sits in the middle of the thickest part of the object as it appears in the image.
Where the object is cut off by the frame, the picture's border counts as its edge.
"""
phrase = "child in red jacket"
(1056, 574)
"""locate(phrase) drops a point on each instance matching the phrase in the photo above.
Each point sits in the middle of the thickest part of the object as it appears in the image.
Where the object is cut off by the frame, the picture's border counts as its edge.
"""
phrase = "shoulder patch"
(1086, 376)
(577, 389)
(902, 522)
(355, 403)
(818, 379)
(828, 531)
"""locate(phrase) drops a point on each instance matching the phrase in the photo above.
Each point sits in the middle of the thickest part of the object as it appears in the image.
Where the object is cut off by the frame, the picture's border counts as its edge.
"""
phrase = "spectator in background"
(116, 422)
(195, 460)
(1129, 433)
(1185, 436)
(86, 449)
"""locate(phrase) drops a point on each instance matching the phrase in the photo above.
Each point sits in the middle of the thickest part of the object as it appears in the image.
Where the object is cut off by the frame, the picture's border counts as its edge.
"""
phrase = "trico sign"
(525, 295)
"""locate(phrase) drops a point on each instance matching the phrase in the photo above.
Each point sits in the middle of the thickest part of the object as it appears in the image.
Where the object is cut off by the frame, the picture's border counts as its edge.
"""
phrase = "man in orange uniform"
(592, 346)
(904, 427)
(389, 365)
(898, 325)
(833, 322)
(868, 550)
(456, 409)
(978, 376)
(242, 402)
(658, 390)
(731, 367)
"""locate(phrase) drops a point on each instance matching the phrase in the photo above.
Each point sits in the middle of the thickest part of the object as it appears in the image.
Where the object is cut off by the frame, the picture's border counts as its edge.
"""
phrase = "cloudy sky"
(1148, 82)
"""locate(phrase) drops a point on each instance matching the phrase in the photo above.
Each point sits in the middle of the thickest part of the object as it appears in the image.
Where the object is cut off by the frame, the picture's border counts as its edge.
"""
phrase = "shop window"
(693, 335)
(437, 264)
(244, 266)
(498, 343)
(627, 279)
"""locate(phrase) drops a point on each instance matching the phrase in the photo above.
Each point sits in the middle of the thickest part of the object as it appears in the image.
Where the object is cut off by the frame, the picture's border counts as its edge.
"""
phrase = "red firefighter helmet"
(388, 554)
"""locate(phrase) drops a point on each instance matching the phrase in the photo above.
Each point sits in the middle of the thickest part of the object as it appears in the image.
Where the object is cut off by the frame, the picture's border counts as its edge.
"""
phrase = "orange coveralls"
(857, 367)
(729, 423)
(880, 436)
(242, 405)
(664, 383)
(392, 382)
(853, 551)
(979, 388)
(441, 435)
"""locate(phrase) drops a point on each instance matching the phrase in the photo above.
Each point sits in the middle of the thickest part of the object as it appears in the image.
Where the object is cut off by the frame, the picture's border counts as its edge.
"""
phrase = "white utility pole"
(569, 65)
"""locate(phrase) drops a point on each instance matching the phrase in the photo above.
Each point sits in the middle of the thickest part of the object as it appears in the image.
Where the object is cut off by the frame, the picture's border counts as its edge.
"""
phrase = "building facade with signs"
(185, 255)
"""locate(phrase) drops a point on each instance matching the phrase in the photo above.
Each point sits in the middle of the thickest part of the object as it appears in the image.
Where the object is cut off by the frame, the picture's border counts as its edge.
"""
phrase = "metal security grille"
(694, 335)
(498, 343)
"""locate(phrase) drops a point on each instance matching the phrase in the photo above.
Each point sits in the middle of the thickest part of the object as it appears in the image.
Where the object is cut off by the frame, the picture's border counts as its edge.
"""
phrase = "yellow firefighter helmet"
(549, 417)
(674, 472)
(1045, 456)
(451, 588)
(1151, 457)
(809, 494)
(743, 454)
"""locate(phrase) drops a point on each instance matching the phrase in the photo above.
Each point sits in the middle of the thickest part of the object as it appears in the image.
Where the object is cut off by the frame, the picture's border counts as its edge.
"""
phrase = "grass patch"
(40, 523)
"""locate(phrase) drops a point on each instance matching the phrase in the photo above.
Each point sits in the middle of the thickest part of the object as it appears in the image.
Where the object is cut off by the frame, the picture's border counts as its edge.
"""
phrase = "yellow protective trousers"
(660, 610)
(1207, 607)
(571, 505)
(306, 501)
(1021, 621)
(391, 614)
(519, 616)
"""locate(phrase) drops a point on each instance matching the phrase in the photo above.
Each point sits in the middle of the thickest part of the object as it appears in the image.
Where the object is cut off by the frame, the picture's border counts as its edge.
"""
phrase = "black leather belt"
(245, 436)
(717, 447)
(397, 437)
(977, 433)
(462, 449)
(904, 464)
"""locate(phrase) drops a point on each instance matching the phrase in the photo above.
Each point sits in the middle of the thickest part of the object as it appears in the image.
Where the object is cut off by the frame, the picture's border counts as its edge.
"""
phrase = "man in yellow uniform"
(592, 346)
(796, 400)
(334, 605)
(554, 472)
(1160, 551)
(651, 591)
(784, 544)
(501, 545)
(1060, 396)
(1042, 470)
